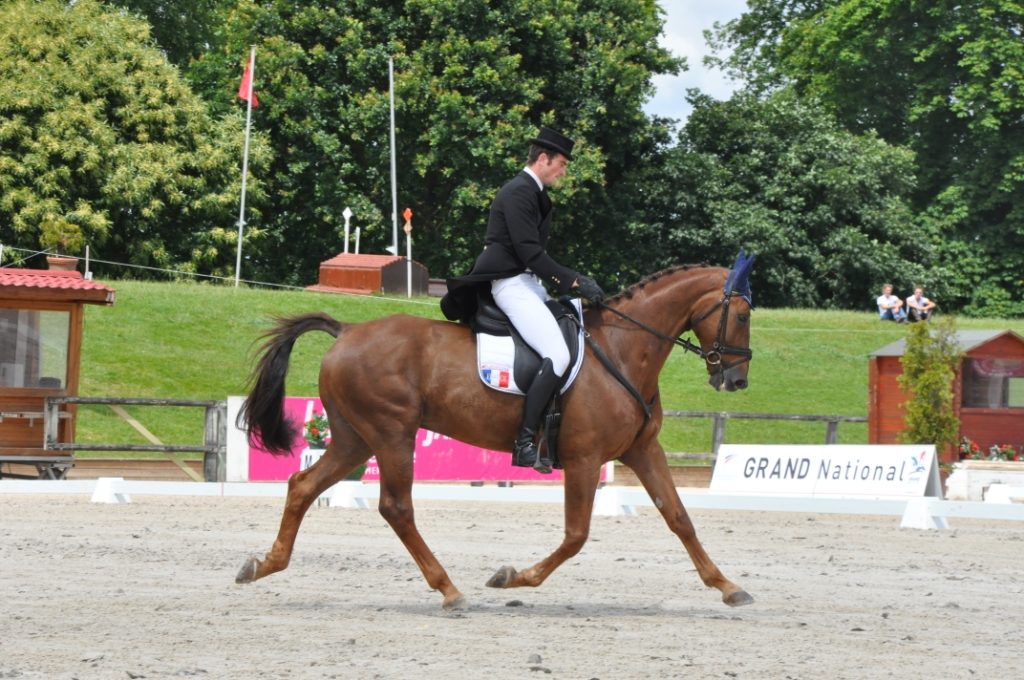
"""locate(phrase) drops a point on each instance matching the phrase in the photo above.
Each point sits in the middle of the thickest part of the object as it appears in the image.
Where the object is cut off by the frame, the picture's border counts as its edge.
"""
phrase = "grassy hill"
(196, 341)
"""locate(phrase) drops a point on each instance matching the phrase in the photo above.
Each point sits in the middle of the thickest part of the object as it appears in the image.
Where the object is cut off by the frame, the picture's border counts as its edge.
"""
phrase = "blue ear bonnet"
(738, 281)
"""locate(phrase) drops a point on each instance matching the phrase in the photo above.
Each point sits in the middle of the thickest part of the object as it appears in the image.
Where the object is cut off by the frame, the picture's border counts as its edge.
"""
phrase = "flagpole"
(245, 163)
(394, 174)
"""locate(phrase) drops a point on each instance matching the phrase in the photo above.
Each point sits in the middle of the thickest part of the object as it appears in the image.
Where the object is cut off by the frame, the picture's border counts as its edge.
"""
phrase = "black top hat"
(555, 141)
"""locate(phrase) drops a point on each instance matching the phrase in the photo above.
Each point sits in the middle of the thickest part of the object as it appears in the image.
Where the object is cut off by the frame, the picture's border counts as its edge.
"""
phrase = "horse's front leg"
(581, 478)
(651, 469)
(345, 452)
(396, 472)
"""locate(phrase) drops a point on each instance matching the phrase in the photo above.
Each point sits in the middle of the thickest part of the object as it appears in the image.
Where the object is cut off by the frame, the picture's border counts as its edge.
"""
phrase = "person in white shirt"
(919, 308)
(890, 307)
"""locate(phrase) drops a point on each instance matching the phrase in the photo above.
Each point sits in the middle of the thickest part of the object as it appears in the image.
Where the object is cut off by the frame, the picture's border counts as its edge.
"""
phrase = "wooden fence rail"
(213, 448)
(718, 419)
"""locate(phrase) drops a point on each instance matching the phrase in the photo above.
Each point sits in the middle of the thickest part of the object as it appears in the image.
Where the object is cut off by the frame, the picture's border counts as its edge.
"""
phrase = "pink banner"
(437, 457)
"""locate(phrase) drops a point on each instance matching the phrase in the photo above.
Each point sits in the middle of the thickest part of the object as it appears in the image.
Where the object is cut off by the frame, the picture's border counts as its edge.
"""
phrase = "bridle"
(713, 357)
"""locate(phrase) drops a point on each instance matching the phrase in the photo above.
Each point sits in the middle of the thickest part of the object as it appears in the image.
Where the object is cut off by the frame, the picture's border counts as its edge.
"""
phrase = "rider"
(515, 263)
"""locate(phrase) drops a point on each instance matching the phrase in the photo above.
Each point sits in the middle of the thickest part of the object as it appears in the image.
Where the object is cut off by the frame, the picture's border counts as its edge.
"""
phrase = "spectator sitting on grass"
(890, 307)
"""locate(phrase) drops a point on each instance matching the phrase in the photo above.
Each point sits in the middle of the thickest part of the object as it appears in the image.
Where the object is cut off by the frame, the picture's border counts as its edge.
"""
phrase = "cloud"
(685, 22)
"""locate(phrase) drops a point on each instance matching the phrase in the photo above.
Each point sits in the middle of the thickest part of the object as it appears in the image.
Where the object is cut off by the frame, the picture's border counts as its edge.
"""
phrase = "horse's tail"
(262, 414)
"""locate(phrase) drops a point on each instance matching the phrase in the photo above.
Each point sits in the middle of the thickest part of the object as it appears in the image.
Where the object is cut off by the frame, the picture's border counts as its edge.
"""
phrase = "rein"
(718, 348)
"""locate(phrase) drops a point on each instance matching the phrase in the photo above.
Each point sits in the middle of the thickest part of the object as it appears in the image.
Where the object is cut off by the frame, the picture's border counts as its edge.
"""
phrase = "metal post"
(347, 214)
(718, 431)
(51, 423)
(215, 441)
(245, 164)
(831, 431)
(407, 214)
(394, 172)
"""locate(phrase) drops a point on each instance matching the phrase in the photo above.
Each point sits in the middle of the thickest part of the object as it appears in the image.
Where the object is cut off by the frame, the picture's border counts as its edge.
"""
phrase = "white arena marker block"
(609, 503)
(348, 495)
(110, 490)
(918, 516)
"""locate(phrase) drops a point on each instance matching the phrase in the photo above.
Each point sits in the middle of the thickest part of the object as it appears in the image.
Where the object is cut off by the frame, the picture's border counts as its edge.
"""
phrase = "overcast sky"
(683, 35)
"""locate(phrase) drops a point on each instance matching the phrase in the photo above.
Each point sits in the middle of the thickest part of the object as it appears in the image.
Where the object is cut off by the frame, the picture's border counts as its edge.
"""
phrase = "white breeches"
(522, 299)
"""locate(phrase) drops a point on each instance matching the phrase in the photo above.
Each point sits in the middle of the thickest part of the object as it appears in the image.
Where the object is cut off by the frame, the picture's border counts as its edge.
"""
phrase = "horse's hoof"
(502, 578)
(247, 574)
(454, 603)
(738, 598)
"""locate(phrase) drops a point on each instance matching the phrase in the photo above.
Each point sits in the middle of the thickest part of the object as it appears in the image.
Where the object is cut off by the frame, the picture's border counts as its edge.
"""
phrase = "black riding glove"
(589, 290)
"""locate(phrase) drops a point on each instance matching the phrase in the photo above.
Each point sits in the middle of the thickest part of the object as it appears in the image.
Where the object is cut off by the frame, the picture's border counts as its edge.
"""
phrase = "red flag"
(245, 90)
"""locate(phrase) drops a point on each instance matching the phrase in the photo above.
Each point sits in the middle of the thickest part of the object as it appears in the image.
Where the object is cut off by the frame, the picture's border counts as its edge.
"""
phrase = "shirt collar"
(540, 185)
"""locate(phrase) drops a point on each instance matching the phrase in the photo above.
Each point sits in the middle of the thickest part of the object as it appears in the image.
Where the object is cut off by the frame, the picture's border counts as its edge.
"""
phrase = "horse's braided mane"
(628, 293)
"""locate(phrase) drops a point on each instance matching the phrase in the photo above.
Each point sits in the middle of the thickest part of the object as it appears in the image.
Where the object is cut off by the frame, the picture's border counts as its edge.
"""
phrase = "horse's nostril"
(740, 384)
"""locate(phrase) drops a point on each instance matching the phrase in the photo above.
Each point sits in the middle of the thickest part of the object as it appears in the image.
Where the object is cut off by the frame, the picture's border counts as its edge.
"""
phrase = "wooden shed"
(368, 274)
(41, 325)
(988, 389)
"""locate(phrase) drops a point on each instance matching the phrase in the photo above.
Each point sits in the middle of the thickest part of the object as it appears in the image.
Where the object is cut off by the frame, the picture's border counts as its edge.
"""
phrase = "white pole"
(357, 240)
(408, 262)
(245, 164)
(88, 274)
(347, 214)
(394, 173)
(408, 249)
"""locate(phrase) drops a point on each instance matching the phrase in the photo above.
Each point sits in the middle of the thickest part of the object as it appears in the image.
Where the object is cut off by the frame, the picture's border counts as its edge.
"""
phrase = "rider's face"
(550, 168)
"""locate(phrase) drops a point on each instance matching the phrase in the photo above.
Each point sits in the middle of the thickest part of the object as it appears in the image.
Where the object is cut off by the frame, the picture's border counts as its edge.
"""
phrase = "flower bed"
(970, 450)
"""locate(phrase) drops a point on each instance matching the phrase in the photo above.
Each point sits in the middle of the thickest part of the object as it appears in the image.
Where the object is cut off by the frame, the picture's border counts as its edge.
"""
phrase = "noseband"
(713, 358)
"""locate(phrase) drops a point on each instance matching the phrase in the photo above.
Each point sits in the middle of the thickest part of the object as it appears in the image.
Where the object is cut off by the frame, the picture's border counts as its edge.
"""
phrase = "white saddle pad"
(496, 356)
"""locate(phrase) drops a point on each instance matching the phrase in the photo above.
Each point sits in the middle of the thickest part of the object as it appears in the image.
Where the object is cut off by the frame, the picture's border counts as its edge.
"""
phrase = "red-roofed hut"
(988, 389)
(41, 324)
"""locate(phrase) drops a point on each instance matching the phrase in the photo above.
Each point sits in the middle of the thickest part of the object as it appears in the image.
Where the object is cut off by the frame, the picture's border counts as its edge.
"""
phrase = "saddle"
(507, 364)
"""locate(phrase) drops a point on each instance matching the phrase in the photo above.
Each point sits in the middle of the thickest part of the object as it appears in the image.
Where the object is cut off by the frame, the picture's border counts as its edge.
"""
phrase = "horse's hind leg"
(651, 469)
(396, 473)
(345, 452)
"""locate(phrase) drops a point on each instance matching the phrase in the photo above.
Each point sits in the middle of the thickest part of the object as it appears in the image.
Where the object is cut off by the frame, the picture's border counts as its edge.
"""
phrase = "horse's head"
(721, 321)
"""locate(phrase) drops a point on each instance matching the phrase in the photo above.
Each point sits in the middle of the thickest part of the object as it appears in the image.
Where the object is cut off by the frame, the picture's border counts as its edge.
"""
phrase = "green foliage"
(183, 29)
(943, 79)
(473, 81)
(104, 144)
(825, 209)
(929, 363)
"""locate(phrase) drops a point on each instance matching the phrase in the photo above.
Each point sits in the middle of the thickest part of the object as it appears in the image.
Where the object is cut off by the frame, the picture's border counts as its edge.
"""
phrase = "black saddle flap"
(489, 318)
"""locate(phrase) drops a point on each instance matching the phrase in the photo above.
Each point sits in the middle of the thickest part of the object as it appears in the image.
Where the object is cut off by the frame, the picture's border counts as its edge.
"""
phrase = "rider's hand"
(589, 290)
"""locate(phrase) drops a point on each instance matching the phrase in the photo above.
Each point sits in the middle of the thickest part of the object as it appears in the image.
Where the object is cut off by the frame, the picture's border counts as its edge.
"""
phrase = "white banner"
(828, 470)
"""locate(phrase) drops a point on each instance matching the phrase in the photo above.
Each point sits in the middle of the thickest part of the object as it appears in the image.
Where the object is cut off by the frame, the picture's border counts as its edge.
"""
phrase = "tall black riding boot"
(524, 451)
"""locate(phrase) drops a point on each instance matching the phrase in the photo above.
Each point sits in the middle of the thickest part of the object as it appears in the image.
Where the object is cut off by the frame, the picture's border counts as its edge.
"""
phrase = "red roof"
(52, 285)
(361, 261)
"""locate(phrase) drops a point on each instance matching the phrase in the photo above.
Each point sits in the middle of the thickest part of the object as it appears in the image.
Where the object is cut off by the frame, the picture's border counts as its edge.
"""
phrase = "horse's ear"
(739, 276)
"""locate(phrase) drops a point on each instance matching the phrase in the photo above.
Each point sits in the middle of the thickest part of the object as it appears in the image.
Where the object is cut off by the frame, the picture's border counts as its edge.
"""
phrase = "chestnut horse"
(384, 379)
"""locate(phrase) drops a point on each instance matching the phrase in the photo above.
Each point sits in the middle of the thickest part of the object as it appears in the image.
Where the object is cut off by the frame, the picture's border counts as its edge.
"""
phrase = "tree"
(473, 81)
(825, 210)
(184, 29)
(942, 78)
(104, 144)
(929, 365)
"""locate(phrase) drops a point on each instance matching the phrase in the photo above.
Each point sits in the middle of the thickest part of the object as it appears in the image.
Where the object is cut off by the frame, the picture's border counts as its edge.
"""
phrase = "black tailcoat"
(516, 240)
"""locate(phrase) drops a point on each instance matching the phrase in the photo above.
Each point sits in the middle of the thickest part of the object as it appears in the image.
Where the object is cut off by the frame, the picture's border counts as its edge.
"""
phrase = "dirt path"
(147, 590)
